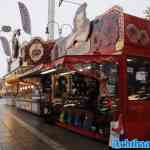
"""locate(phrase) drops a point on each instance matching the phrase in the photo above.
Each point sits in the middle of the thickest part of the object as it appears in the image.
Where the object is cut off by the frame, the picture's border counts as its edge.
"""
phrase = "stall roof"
(85, 59)
(113, 33)
(116, 32)
(32, 72)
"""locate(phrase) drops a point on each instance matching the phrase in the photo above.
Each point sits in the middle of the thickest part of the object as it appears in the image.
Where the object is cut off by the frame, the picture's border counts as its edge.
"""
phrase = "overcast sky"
(9, 15)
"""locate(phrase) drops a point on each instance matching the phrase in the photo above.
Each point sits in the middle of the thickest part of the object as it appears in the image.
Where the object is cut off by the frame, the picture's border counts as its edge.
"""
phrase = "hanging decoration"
(15, 44)
(5, 45)
(25, 18)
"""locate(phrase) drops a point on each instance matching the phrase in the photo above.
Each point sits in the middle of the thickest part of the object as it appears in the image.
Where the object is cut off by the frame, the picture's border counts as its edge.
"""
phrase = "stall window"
(91, 98)
(60, 87)
(138, 79)
(111, 72)
(96, 85)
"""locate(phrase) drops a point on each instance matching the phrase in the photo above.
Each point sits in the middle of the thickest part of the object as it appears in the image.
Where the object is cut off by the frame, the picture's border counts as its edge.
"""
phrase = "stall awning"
(31, 72)
(12, 79)
(85, 59)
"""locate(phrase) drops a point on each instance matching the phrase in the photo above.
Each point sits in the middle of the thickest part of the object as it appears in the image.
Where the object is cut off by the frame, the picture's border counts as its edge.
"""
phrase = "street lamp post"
(48, 30)
(51, 18)
(60, 28)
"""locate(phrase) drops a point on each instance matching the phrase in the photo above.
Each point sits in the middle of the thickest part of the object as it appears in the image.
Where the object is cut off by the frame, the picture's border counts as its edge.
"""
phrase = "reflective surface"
(22, 131)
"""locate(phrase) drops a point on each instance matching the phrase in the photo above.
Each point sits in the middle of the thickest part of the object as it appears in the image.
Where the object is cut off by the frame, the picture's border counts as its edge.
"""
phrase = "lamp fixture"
(48, 71)
(66, 73)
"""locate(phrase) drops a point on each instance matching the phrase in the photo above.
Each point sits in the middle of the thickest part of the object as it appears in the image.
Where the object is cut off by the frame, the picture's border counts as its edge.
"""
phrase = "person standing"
(116, 129)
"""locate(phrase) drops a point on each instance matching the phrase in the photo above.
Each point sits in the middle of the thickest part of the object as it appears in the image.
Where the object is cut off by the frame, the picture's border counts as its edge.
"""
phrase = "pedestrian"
(116, 129)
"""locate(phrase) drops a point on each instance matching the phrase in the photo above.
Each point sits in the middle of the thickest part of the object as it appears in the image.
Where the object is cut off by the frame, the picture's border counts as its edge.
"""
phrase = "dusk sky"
(9, 15)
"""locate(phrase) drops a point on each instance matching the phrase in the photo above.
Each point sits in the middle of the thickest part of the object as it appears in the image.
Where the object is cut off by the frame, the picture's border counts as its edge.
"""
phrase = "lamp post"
(60, 28)
(48, 30)
(51, 18)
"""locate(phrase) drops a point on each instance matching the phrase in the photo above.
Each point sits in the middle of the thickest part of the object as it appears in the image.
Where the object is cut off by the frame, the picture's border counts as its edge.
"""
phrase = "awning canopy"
(12, 79)
(31, 72)
(85, 59)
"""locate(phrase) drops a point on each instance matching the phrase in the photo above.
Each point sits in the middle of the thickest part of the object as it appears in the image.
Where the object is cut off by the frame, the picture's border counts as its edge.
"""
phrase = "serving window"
(86, 96)
(138, 79)
(89, 86)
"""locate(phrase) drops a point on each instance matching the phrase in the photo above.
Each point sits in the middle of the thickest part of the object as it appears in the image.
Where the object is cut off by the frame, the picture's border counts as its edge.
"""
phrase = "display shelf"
(83, 132)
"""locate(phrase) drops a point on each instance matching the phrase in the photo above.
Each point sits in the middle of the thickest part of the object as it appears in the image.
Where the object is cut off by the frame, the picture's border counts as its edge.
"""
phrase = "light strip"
(48, 71)
(66, 73)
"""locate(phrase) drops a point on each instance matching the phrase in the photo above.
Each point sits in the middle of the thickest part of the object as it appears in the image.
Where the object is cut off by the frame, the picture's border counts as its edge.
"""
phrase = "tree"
(147, 13)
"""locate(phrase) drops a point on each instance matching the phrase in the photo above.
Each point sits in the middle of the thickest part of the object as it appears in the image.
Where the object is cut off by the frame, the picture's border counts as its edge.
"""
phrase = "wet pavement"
(20, 130)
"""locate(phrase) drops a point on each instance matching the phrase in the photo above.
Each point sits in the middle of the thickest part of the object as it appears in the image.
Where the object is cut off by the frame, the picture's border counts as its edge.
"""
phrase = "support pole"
(51, 19)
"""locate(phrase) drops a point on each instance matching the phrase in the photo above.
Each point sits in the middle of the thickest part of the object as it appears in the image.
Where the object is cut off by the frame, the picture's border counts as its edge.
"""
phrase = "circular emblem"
(133, 33)
(36, 52)
(137, 36)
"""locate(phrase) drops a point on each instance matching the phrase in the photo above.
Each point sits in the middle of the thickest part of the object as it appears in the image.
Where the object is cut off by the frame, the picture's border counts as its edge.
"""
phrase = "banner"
(5, 45)
(25, 18)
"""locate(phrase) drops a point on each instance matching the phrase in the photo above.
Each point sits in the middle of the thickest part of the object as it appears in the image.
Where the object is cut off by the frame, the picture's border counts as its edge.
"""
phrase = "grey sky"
(9, 15)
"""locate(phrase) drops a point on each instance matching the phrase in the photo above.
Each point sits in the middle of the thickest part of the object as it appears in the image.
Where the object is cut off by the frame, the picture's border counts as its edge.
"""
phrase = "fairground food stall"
(102, 68)
(10, 89)
(33, 92)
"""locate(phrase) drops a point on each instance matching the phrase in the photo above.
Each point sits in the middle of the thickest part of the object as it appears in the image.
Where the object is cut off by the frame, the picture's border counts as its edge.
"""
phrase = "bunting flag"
(25, 18)
(5, 45)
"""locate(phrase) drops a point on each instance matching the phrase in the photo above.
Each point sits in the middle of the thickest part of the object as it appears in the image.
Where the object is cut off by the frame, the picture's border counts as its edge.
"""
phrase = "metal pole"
(51, 18)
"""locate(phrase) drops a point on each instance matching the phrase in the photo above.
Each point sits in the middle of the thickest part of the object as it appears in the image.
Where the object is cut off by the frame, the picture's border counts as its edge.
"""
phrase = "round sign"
(36, 52)
(6, 28)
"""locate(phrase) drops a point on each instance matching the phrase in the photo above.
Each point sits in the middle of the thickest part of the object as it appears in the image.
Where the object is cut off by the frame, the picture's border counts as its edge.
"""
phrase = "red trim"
(85, 59)
(83, 132)
(120, 126)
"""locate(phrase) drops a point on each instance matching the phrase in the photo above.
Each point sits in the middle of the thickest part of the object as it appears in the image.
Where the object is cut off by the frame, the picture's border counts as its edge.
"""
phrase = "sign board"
(36, 51)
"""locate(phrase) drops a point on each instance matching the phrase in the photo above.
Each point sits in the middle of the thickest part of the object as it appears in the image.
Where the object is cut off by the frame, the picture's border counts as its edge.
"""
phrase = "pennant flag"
(25, 18)
(5, 45)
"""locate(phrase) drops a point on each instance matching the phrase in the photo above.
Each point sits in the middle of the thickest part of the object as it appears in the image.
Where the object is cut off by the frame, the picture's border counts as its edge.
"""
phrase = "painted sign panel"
(137, 32)
(108, 32)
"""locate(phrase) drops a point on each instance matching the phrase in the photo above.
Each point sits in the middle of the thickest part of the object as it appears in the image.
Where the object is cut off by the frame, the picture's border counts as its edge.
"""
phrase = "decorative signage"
(15, 44)
(108, 34)
(77, 43)
(137, 32)
(136, 36)
(36, 51)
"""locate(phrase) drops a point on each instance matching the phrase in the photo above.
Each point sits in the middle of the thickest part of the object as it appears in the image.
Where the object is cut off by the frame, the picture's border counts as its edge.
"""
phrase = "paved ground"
(22, 131)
